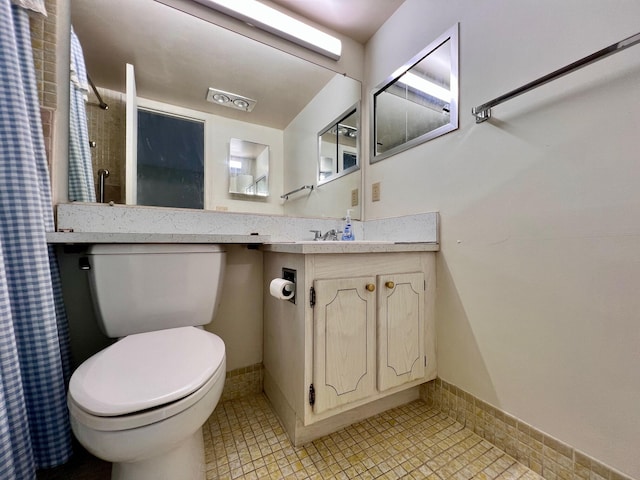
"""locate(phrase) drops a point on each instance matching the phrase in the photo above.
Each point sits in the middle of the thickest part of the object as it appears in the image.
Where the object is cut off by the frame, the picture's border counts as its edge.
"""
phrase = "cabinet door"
(344, 342)
(401, 355)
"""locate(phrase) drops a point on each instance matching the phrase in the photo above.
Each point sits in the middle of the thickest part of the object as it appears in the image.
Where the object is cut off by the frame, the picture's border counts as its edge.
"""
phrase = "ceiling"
(177, 56)
(358, 19)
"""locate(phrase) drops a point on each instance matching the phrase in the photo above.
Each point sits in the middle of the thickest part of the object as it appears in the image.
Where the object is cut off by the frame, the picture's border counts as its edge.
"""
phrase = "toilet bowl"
(141, 402)
(148, 422)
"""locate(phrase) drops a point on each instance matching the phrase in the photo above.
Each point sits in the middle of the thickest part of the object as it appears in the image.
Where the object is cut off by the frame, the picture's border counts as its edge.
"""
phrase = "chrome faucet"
(331, 234)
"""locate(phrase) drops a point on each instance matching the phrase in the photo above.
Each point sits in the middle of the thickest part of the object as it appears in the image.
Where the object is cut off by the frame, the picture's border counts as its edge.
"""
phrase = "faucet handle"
(317, 234)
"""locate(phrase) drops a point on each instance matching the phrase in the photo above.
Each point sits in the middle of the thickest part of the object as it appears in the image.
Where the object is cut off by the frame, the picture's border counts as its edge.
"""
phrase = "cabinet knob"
(389, 284)
(371, 287)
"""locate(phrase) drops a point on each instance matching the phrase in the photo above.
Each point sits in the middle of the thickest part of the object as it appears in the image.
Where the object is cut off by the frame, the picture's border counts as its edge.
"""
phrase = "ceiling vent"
(231, 100)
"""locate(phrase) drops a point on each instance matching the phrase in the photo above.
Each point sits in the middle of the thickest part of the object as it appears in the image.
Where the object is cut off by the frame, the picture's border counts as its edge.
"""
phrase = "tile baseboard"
(243, 381)
(550, 458)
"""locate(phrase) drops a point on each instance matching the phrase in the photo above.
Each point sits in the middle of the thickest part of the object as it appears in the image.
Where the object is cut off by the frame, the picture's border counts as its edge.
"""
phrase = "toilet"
(141, 402)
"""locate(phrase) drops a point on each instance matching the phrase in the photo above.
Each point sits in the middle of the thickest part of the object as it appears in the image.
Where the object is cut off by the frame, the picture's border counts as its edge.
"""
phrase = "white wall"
(301, 154)
(238, 320)
(539, 267)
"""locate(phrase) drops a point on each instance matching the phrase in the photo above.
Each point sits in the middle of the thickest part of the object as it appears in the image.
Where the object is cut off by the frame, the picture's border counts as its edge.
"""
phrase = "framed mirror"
(248, 168)
(338, 147)
(419, 102)
(154, 36)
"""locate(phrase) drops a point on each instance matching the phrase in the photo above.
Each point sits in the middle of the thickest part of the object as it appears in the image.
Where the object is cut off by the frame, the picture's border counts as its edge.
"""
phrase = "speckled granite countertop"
(349, 247)
(102, 237)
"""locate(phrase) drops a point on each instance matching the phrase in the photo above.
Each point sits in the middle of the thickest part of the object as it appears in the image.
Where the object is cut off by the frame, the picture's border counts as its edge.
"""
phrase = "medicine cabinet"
(419, 101)
(338, 147)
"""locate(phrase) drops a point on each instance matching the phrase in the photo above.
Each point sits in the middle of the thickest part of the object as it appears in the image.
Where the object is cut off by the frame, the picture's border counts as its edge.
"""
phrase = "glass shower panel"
(170, 160)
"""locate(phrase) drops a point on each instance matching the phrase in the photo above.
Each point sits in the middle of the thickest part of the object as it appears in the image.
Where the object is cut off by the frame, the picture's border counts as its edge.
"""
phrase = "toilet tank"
(145, 287)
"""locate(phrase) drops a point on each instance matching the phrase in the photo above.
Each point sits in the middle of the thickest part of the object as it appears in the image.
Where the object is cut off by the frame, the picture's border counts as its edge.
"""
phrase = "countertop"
(311, 247)
(265, 241)
(101, 237)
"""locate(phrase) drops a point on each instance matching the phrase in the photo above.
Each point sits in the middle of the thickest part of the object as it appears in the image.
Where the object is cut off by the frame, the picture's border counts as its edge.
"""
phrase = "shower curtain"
(81, 185)
(34, 424)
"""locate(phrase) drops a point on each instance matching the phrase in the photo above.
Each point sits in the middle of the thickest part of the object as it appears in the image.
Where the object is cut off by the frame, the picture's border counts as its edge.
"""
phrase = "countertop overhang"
(102, 237)
(264, 241)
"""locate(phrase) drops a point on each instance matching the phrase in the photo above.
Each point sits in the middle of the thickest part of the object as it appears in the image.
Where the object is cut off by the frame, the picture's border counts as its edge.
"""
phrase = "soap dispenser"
(347, 234)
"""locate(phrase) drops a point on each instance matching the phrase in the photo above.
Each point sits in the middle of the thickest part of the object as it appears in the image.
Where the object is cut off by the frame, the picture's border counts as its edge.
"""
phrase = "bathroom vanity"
(353, 354)
(360, 337)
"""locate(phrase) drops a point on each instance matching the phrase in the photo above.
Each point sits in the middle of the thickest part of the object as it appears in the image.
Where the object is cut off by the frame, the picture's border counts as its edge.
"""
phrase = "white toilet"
(141, 402)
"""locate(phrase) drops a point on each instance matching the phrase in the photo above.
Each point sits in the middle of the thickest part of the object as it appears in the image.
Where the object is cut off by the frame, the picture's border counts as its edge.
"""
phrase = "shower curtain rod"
(483, 112)
(102, 105)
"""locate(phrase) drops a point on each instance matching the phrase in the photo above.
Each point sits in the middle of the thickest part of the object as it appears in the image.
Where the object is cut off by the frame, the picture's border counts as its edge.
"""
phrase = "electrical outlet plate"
(375, 192)
(354, 197)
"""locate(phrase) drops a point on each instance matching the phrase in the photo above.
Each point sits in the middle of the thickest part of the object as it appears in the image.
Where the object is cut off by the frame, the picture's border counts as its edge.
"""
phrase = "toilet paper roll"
(282, 289)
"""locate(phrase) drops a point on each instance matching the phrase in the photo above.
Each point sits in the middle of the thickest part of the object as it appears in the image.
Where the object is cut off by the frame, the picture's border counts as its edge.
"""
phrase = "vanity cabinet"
(359, 340)
(363, 326)
(343, 342)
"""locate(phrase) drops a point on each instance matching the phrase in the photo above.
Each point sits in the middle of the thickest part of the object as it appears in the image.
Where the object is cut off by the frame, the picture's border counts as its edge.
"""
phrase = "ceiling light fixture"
(232, 100)
(278, 23)
(221, 98)
(344, 130)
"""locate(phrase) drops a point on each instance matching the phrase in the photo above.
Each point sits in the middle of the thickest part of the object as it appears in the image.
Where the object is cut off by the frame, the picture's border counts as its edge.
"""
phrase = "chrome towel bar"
(304, 187)
(483, 112)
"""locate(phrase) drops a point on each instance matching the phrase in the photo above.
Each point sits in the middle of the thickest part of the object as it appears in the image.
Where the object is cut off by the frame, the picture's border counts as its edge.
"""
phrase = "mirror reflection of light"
(414, 81)
(235, 164)
(280, 24)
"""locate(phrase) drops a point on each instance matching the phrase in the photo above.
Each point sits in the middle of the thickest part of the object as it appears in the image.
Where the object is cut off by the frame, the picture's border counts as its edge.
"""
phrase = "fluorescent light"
(424, 85)
(278, 23)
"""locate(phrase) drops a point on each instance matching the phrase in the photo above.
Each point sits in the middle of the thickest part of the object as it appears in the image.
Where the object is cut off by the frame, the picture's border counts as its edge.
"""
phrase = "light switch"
(375, 192)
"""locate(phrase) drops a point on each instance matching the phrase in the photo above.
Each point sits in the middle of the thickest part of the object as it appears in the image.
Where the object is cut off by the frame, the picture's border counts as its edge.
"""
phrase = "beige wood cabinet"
(360, 338)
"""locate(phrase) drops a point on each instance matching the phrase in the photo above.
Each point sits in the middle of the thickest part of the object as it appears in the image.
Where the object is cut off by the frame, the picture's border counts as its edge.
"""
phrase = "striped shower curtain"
(34, 424)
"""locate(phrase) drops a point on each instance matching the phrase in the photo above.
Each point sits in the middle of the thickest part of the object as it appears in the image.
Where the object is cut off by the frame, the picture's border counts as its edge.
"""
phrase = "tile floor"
(244, 440)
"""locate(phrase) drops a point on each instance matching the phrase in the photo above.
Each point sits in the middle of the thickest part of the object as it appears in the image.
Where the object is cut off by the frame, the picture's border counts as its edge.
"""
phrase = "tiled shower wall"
(543, 454)
(43, 43)
(107, 130)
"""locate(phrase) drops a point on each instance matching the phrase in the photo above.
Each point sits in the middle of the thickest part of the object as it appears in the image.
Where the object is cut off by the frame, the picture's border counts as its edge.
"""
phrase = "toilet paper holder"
(290, 274)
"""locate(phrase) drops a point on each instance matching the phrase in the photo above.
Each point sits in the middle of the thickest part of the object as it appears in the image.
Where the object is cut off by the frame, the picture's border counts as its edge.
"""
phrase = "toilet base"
(185, 462)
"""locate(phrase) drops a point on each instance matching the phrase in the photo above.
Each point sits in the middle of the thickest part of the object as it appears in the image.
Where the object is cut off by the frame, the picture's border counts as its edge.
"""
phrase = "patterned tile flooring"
(244, 440)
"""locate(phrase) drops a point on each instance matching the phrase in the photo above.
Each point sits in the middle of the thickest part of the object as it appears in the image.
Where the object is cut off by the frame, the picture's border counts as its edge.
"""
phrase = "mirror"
(419, 102)
(248, 168)
(178, 57)
(338, 147)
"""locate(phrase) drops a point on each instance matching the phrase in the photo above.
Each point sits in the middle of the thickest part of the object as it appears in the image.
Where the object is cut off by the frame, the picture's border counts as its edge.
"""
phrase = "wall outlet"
(375, 192)
(354, 197)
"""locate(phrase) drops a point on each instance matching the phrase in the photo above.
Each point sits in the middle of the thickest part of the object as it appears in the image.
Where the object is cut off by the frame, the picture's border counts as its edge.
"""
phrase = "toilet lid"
(146, 370)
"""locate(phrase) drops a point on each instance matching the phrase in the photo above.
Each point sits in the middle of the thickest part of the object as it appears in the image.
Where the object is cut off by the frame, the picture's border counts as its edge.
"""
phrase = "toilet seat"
(146, 417)
(146, 371)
